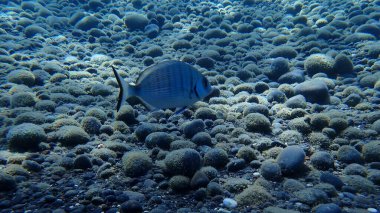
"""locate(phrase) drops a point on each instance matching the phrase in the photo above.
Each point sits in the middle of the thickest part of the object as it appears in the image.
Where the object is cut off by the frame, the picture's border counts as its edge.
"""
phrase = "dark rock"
(82, 162)
(348, 154)
(136, 163)
(25, 137)
(236, 165)
(277, 96)
(214, 33)
(296, 76)
(328, 208)
(311, 196)
(216, 157)
(7, 182)
(179, 183)
(126, 114)
(322, 160)
(199, 180)
(291, 160)
(271, 170)
(135, 21)
(87, 23)
(255, 122)
(205, 62)
(343, 65)
(131, 206)
(283, 51)
(327, 177)
(200, 194)
(202, 138)
(371, 151)
(279, 67)
(192, 127)
(160, 139)
(31, 165)
(315, 91)
(183, 162)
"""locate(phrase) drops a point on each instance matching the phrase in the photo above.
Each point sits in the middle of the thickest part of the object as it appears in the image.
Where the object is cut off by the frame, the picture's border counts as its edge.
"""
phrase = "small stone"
(87, 23)
(135, 21)
(371, 151)
(254, 195)
(315, 91)
(82, 162)
(214, 189)
(205, 113)
(255, 122)
(192, 127)
(283, 51)
(311, 196)
(127, 115)
(291, 160)
(31, 165)
(359, 184)
(179, 183)
(372, 210)
(131, 206)
(328, 208)
(278, 67)
(22, 99)
(216, 157)
(183, 162)
(136, 163)
(229, 203)
(322, 160)
(355, 169)
(26, 136)
(273, 209)
(236, 165)
(7, 182)
(21, 77)
(297, 101)
(202, 138)
(327, 177)
(271, 170)
(199, 180)
(33, 30)
(200, 194)
(348, 154)
(159, 139)
(72, 135)
(319, 63)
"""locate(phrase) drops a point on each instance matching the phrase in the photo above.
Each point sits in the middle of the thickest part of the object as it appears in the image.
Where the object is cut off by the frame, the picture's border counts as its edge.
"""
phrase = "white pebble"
(256, 174)
(229, 203)
(372, 210)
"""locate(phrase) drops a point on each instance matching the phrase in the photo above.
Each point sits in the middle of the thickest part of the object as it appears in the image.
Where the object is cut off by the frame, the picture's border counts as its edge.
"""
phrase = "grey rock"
(315, 91)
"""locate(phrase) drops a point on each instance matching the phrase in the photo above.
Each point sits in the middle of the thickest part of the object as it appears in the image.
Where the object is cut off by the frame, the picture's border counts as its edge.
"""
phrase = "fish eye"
(204, 82)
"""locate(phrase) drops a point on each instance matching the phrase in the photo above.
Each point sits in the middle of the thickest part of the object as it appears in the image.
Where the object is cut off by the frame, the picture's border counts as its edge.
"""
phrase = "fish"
(166, 85)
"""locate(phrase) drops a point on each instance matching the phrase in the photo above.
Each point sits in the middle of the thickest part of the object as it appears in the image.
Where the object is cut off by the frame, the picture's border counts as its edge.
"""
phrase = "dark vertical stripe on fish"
(191, 84)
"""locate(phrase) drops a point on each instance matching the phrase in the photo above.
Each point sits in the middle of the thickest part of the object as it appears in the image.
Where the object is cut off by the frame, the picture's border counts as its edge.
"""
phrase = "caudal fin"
(124, 92)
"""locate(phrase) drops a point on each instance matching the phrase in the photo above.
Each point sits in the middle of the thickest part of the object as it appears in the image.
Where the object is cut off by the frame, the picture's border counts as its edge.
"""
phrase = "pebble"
(328, 208)
(372, 210)
(291, 160)
(315, 91)
(229, 203)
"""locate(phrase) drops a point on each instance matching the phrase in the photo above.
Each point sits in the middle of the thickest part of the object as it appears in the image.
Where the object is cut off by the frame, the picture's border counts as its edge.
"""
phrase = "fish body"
(169, 84)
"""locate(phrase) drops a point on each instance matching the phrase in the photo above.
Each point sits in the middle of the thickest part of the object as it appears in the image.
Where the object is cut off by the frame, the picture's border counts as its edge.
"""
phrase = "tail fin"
(125, 89)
